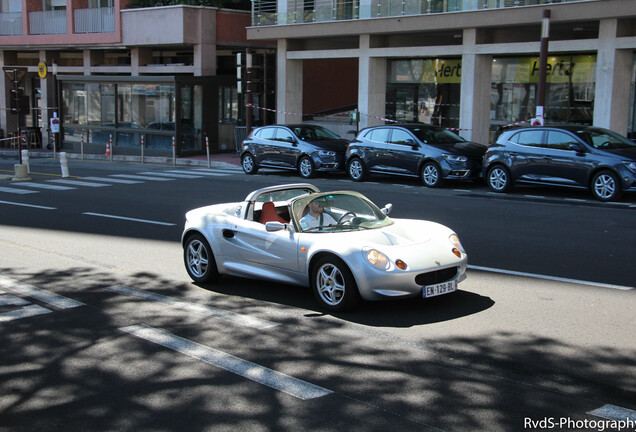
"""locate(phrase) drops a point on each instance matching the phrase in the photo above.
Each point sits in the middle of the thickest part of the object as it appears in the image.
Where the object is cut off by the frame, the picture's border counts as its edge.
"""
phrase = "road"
(131, 344)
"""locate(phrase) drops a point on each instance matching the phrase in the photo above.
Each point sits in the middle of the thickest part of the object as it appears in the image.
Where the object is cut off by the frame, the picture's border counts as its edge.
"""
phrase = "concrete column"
(4, 100)
(281, 11)
(613, 73)
(371, 85)
(205, 51)
(87, 62)
(139, 57)
(47, 93)
(474, 111)
(289, 86)
(8, 122)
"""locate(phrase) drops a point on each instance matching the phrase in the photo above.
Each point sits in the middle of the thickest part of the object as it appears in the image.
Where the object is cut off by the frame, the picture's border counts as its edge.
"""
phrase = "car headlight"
(455, 158)
(326, 153)
(458, 249)
(376, 258)
(631, 165)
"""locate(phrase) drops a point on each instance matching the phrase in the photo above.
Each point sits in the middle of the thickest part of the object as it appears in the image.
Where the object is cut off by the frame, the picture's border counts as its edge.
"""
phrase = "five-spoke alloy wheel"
(605, 186)
(306, 167)
(499, 178)
(249, 164)
(199, 259)
(333, 285)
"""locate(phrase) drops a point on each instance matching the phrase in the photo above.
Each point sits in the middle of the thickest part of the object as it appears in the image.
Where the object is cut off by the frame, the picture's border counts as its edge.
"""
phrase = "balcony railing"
(95, 20)
(264, 12)
(47, 22)
(11, 24)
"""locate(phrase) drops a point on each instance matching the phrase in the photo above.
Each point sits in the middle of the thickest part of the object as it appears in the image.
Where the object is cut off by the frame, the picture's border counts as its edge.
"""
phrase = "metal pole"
(543, 63)
(112, 150)
(207, 150)
(142, 149)
(248, 91)
(174, 153)
(82, 146)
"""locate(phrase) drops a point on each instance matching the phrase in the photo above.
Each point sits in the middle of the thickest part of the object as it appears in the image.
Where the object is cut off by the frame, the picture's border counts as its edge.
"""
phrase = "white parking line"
(128, 219)
(235, 318)
(28, 205)
(24, 312)
(553, 278)
(613, 412)
(16, 191)
(139, 177)
(78, 183)
(27, 290)
(257, 373)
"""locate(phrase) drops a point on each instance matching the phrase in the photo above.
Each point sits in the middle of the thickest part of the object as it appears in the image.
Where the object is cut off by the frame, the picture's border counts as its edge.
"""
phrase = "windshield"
(436, 135)
(314, 133)
(338, 211)
(604, 139)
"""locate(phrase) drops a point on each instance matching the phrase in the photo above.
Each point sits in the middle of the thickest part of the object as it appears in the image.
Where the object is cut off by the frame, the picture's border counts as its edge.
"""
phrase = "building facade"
(471, 65)
(113, 75)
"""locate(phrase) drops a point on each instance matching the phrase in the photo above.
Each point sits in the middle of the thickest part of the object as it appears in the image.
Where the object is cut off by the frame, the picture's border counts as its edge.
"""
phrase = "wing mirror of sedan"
(291, 140)
(576, 147)
(412, 143)
(275, 226)
(387, 209)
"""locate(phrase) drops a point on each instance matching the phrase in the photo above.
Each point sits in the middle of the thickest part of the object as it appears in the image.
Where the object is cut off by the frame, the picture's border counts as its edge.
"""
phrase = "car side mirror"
(291, 140)
(411, 142)
(387, 209)
(275, 226)
(576, 147)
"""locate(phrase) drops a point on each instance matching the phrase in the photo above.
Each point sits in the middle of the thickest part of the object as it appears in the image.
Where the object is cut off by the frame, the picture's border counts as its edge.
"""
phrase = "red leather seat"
(268, 214)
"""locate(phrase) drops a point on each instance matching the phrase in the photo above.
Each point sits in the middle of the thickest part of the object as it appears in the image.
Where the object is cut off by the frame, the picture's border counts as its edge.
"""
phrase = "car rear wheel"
(333, 285)
(356, 170)
(199, 259)
(306, 167)
(499, 178)
(249, 164)
(431, 175)
(606, 186)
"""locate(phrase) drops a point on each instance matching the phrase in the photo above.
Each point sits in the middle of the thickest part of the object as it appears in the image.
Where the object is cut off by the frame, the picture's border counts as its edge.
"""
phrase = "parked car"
(338, 243)
(302, 147)
(574, 156)
(431, 153)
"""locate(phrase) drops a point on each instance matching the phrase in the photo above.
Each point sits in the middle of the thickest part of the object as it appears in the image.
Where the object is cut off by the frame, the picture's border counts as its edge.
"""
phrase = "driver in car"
(316, 217)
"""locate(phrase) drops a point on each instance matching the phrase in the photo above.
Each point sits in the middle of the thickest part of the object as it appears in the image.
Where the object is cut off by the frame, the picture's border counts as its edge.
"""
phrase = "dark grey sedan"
(431, 153)
(573, 156)
(302, 147)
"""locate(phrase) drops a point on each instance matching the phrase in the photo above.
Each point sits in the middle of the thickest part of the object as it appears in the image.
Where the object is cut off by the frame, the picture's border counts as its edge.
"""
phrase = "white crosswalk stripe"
(46, 186)
(112, 180)
(139, 177)
(78, 183)
(170, 174)
(17, 191)
(206, 173)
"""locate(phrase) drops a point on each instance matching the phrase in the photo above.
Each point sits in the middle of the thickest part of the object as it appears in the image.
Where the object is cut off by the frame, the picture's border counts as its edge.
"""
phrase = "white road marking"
(169, 174)
(24, 312)
(257, 373)
(45, 296)
(16, 191)
(112, 180)
(552, 278)
(613, 412)
(46, 186)
(78, 183)
(11, 300)
(128, 219)
(219, 170)
(139, 177)
(28, 205)
(235, 318)
(202, 173)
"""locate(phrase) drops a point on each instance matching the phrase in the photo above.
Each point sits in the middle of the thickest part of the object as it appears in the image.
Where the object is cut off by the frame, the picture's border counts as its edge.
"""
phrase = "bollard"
(25, 160)
(20, 173)
(174, 152)
(64, 164)
(142, 149)
(207, 150)
(82, 146)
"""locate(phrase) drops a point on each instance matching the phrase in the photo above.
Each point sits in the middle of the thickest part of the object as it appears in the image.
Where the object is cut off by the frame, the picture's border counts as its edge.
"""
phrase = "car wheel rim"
(355, 169)
(430, 175)
(248, 163)
(331, 284)
(305, 167)
(197, 258)
(498, 179)
(605, 186)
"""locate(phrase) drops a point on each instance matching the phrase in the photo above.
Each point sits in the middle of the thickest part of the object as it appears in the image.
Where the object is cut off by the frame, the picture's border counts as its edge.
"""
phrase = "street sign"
(15, 74)
(42, 70)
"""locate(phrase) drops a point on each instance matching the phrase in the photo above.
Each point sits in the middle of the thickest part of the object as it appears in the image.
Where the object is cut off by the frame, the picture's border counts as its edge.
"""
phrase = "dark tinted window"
(378, 135)
(284, 135)
(604, 139)
(436, 135)
(531, 138)
(400, 137)
(559, 140)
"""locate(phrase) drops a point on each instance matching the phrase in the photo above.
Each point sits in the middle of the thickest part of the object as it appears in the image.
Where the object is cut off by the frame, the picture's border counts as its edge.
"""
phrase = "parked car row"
(573, 156)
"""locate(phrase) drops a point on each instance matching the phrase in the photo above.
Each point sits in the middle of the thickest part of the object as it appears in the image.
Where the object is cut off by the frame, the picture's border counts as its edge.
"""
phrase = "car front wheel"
(333, 285)
(356, 170)
(249, 164)
(199, 259)
(306, 167)
(499, 178)
(431, 175)
(606, 186)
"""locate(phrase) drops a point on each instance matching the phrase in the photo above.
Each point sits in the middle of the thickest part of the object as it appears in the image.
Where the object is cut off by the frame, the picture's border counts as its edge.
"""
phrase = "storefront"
(165, 111)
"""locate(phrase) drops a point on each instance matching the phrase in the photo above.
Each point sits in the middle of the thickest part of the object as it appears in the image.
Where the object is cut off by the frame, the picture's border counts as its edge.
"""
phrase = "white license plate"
(439, 289)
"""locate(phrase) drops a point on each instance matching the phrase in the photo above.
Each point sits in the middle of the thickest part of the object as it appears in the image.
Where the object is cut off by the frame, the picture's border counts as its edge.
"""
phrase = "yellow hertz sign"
(442, 71)
(559, 69)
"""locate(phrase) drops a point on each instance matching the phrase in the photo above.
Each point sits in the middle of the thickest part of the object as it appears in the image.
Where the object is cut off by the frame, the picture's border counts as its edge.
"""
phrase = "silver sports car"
(339, 243)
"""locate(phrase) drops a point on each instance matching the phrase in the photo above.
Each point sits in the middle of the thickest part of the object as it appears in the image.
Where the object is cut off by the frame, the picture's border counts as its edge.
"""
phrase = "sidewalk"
(217, 160)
